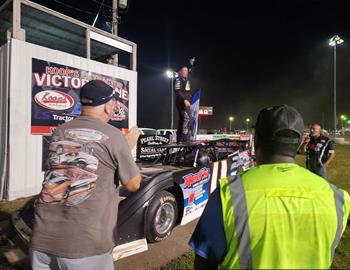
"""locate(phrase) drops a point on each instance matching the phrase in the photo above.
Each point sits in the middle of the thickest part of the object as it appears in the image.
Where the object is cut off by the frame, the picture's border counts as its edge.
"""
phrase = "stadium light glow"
(335, 40)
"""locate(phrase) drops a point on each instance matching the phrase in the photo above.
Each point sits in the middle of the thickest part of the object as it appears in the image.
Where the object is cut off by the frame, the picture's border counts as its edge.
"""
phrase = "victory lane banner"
(55, 95)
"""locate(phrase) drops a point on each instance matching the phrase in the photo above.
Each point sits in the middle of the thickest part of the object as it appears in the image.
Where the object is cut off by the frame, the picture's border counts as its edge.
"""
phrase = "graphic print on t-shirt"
(71, 177)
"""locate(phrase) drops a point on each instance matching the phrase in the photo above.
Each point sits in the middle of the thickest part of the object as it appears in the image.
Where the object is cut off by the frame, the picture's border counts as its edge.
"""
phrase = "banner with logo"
(55, 95)
(149, 146)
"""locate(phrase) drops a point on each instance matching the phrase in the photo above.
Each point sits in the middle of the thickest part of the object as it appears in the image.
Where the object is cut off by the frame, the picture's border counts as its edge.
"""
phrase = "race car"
(174, 190)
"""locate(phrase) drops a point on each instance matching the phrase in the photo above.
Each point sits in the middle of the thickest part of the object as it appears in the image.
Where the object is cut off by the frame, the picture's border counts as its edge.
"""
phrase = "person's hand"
(187, 103)
(132, 136)
(306, 138)
(192, 60)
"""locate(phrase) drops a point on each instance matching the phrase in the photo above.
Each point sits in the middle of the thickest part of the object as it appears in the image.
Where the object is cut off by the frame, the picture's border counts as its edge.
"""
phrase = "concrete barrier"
(340, 140)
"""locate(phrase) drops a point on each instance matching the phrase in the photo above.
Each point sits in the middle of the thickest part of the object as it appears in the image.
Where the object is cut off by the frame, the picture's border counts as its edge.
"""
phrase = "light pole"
(231, 119)
(247, 120)
(334, 41)
(342, 119)
(171, 75)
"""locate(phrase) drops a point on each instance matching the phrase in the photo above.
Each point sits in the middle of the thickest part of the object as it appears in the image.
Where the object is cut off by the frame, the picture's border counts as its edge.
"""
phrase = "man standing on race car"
(76, 211)
(319, 151)
(182, 90)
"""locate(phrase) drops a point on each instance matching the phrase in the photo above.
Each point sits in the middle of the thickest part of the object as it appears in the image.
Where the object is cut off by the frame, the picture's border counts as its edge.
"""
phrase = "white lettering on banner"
(154, 138)
(162, 139)
(39, 80)
(59, 81)
(65, 118)
(147, 139)
(55, 80)
(71, 78)
(76, 82)
(123, 94)
(150, 150)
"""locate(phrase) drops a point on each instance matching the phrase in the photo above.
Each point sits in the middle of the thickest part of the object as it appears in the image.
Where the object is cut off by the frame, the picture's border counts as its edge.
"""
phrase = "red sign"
(191, 179)
(54, 100)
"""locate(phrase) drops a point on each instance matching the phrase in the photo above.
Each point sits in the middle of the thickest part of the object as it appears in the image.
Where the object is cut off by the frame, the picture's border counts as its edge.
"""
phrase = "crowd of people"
(276, 215)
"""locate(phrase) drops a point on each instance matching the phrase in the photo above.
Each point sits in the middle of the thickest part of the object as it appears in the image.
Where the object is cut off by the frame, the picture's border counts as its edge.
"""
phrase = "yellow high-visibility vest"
(281, 216)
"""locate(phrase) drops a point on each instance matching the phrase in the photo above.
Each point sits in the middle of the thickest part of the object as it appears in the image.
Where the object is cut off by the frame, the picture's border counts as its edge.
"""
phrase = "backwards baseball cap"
(95, 93)
(272, 120)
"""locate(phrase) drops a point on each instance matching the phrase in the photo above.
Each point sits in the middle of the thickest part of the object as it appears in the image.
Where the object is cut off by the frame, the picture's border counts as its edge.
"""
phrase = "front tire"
(161, 216)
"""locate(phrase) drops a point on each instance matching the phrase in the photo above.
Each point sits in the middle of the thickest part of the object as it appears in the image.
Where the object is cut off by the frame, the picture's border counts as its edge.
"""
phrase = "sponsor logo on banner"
(149, 146)
(55, 95)
(121, 113)
(54, 100)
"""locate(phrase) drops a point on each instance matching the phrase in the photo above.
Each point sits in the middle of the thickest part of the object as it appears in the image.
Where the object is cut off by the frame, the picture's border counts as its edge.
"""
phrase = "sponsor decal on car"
(54, 100)
(191, 179)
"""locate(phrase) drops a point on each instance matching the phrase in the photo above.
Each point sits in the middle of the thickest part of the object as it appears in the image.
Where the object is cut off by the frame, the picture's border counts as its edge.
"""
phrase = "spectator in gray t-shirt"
(76, 212)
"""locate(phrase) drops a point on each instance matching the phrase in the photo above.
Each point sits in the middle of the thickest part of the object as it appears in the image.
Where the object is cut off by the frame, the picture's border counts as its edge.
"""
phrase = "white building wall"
(4, 86)
(25, 150)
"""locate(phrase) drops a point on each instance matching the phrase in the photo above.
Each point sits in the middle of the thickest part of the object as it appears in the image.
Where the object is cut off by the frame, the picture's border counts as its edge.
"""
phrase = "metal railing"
(91, 33)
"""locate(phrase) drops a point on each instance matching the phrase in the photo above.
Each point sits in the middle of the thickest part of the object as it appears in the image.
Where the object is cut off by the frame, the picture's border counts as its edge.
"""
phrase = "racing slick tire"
(160, 216)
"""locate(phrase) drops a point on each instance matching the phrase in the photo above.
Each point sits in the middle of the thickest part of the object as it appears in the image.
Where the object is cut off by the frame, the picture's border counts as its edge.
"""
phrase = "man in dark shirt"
(319, 151)
(182, 90)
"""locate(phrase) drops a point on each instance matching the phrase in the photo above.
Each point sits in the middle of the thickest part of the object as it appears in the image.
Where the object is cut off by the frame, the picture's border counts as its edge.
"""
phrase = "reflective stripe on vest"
(236, 218)
(339, 206)
(239, 204)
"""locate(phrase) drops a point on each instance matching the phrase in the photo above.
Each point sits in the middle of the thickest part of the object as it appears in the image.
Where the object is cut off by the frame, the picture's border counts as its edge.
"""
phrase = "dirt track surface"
(161, 253)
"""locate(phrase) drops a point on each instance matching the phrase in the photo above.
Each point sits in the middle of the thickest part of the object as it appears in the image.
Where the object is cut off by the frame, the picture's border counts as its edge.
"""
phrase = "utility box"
(39, 85)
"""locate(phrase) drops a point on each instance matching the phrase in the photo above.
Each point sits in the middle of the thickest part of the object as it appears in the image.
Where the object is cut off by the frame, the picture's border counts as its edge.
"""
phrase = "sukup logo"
(193, 178)
(54, 100)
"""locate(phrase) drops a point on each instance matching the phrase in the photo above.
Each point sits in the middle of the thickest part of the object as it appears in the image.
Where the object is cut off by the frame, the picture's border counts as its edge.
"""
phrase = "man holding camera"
(319, 151)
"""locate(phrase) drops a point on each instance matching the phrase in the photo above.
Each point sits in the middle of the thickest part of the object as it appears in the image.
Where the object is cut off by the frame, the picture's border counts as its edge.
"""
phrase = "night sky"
(250, 54)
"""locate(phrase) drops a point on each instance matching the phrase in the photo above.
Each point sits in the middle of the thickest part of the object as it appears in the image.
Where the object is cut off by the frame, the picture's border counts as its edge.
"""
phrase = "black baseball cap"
(95, 93)
(272, 120)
